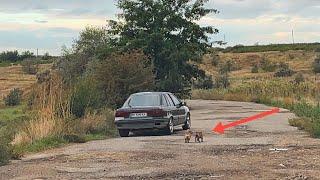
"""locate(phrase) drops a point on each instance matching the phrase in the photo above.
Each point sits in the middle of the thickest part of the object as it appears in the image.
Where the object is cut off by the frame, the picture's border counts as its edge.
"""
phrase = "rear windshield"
(143, 100)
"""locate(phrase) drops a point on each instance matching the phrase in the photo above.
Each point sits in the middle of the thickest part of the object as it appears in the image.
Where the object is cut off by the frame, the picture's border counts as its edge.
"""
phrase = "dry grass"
(299, 61)
(51, 107)
(13, 77)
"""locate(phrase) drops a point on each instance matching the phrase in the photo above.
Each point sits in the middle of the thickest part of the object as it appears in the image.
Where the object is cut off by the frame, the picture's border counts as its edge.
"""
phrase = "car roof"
(155, 93)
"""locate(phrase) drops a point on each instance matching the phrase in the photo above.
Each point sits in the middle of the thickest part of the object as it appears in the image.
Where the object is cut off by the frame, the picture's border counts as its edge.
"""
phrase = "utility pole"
(292, 36)
(37, 52)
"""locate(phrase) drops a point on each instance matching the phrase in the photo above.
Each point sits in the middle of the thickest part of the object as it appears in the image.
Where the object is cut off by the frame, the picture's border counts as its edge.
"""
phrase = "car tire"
(187, 123)
(170, 127)
(124, 132)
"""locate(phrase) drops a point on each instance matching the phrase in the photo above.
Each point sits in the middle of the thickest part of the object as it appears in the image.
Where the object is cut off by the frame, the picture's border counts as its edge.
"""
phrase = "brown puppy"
(198, 137)
(188, 136)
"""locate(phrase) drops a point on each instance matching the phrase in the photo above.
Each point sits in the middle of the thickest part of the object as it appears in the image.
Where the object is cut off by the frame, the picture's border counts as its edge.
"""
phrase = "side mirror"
(184, 103)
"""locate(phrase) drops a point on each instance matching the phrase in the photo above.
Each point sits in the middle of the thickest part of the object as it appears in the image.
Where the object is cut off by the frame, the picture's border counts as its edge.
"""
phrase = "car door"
(179, 108)
(174, 111)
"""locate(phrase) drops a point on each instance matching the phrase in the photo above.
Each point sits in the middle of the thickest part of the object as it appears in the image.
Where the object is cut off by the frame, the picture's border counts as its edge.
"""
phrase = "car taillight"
(121, 114)
(157, 113)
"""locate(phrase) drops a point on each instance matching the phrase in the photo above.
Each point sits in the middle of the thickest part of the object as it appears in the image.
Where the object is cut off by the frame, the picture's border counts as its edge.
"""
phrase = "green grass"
(92, 137)
(39, 145)
(5, 64)
(8, 114)
(50, 143)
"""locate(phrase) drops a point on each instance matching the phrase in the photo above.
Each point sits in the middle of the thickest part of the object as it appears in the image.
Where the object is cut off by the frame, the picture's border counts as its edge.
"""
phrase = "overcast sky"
(50, 24)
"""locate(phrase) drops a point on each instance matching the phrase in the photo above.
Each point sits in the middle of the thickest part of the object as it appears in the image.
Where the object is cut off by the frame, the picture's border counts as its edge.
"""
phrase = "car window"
(164, 100)
(175, 100)
(140, 100)
(169, 100)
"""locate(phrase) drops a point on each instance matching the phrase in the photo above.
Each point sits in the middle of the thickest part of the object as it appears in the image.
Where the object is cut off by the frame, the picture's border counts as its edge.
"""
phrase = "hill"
(300, 61)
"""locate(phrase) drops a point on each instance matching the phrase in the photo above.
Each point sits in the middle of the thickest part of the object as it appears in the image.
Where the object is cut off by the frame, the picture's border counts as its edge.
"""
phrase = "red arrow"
(220, 127)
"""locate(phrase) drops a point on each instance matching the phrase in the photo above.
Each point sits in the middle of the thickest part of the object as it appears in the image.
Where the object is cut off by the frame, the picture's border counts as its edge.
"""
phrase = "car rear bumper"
(139, 124)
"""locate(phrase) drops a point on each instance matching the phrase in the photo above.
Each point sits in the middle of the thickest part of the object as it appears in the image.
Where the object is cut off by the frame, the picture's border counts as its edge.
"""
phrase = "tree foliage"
(14, 56)
(123, 74)
(167, 32)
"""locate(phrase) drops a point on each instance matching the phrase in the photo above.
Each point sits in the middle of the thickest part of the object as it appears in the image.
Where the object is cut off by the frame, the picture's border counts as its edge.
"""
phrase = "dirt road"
(264, 149)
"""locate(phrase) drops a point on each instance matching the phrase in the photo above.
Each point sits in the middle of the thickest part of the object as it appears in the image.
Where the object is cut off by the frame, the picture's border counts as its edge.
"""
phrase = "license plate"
(137, 115)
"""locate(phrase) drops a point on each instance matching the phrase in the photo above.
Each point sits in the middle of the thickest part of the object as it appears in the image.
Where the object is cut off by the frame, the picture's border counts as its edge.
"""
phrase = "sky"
(51, 24)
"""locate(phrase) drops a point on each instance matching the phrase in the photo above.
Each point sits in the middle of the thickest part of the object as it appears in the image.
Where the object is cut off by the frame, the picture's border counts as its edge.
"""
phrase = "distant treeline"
(15, 56)
(272, 47)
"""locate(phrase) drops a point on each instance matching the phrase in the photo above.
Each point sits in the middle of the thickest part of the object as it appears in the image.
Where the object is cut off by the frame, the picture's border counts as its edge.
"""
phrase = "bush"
(299, 78)
(203, 83)
(43, 76)
(228, 66)
(30, 66)
(215, 60)
(13, 98)
(267, 65)
(316, 65)
(222, 81)
(255, 69)
(84, 96)
(284, 71)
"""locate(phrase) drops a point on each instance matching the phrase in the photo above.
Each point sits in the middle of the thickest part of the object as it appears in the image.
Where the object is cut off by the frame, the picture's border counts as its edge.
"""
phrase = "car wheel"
(124, 132)
(170, 127)
(187, 123)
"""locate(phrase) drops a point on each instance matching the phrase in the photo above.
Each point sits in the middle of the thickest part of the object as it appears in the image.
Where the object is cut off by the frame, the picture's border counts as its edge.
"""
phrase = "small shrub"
(255, 69)
(291, 56)
(14, 97)
(284, 71)
(222, 81)
(30, 67)
(228, 66)
(316, 65)
(215, 60)
(299, 78)
(203, 83)
(43, 76)
(267, 65)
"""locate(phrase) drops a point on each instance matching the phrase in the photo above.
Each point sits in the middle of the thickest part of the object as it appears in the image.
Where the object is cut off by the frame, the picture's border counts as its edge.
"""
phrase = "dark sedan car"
(152, 110)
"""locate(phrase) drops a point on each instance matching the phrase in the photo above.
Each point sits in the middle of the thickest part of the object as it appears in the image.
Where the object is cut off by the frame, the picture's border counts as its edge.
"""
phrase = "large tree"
(168, 32)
